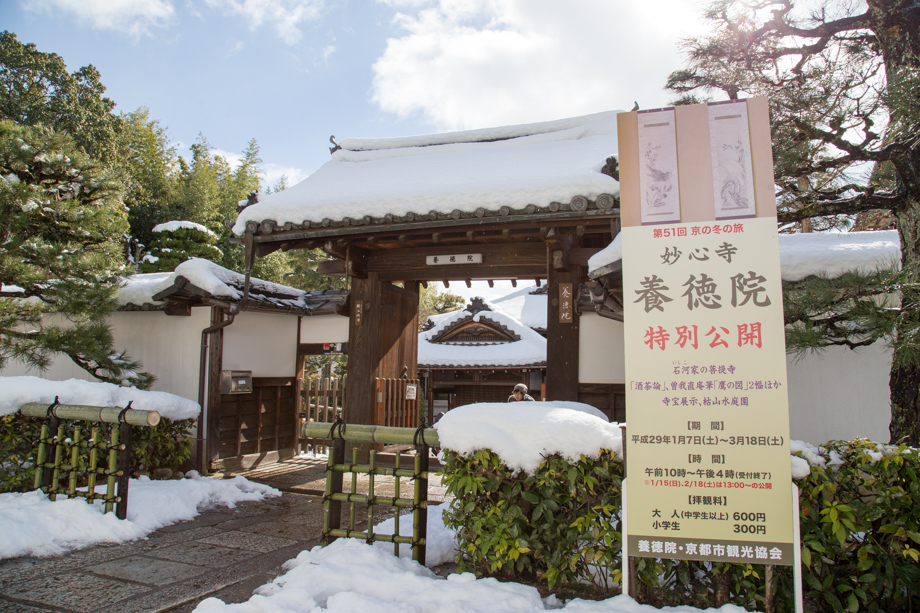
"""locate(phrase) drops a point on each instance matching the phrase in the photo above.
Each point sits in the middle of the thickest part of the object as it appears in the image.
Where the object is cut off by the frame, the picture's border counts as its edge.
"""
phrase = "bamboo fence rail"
(63, 453)
(340, 433)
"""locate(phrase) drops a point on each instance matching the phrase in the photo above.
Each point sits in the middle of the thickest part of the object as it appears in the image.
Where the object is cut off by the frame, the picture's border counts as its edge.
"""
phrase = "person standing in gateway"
(519, 394)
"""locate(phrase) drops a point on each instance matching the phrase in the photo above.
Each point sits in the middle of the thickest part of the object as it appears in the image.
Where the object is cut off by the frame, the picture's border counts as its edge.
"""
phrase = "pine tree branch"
(866, 201)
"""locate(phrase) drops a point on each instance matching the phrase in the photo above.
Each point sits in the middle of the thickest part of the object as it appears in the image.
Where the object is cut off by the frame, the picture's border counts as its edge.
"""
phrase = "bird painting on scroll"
(732, 173)
(658, 167)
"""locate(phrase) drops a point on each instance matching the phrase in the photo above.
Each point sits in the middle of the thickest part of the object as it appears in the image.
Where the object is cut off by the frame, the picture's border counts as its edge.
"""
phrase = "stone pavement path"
(226, 553)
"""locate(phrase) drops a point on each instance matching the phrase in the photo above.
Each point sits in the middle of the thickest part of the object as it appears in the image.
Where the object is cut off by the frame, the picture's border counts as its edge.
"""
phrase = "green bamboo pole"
(93, 464)
(361, 433)
(353, 506)
(74, 462)
(371, 499)
(112, 472)
(41, 458)
(88, 413)
(396, 514)
(58, 453)
(416, 510)
(403, 503)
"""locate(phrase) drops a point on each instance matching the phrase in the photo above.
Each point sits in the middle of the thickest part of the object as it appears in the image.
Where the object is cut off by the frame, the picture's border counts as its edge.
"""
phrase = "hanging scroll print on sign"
(705, 350)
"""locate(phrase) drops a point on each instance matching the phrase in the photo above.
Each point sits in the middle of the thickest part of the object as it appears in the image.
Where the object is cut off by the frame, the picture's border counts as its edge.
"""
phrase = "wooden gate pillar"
(562, 334)
(382, 341)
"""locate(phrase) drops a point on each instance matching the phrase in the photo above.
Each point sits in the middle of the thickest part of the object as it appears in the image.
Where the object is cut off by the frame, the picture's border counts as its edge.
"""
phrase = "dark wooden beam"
(499, 261)
(356, 263)
(331, 268)
(491, 283)
(469, 283)
(332, 248)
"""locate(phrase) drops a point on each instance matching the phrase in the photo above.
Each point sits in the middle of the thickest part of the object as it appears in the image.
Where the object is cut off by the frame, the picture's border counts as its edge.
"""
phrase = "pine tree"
(843, 81)
(177, 241)
(61, 220)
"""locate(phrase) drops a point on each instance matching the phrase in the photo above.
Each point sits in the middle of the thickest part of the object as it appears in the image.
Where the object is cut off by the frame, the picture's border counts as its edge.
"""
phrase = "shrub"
(166, 445)
(559, 528)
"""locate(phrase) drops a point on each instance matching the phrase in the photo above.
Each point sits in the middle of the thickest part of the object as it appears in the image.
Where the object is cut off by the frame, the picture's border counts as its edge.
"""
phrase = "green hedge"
(166, 445)
(559, 529)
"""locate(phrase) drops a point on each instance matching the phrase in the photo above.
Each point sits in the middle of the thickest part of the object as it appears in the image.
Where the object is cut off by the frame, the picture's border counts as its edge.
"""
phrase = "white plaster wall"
(264, 343)
(840, 394)
(600, 350)
(324, 329)
(168, 347)
(835, 394)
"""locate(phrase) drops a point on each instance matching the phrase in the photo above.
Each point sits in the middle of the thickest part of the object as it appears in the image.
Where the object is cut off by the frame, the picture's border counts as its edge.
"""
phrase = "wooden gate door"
(383, 342)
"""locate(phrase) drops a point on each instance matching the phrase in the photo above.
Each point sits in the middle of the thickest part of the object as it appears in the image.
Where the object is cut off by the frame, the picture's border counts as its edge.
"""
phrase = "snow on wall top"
(172, 226)
(17, 391)
(212, 278)
(529, 350)
(815, 253)
(523, 433)
(519, 165)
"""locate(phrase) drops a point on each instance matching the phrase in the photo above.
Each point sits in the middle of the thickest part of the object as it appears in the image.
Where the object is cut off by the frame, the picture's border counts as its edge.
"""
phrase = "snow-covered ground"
(30, 524)
(350, 576)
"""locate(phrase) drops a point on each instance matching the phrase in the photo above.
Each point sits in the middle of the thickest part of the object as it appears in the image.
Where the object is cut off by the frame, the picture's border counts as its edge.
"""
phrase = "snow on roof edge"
(806, 254)
(471, 136)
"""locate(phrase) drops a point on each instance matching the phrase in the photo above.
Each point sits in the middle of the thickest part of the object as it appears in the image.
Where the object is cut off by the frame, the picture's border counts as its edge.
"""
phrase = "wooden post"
(364, 349)
(421, 499)
(125, 438)
(561, 338)
(332, 509)
(298, 394)
(215, 363)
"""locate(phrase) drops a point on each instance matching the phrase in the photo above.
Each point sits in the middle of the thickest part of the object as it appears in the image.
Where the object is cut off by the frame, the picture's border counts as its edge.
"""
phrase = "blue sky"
(290, 73)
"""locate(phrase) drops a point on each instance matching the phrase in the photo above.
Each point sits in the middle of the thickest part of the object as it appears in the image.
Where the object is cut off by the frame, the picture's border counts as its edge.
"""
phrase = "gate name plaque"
(457, 258)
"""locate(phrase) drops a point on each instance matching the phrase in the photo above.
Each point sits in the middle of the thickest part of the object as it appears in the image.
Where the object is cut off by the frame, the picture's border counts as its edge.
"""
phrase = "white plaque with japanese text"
(708, 464)
(456, 258)
(658, 167)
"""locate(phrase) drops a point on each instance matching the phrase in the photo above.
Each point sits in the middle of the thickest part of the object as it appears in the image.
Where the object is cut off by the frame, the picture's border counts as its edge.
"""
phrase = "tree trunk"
(896, 23)
(904, 382)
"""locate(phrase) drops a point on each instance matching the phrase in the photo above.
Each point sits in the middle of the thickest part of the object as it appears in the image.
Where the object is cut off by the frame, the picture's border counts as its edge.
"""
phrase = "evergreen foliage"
(166, 445)
(60, 222)
(36, 89)
(559, 529)
(842, 79)
(172, 247)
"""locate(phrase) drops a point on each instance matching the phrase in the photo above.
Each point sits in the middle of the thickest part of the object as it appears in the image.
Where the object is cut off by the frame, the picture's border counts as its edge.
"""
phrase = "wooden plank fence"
(323, 399)
(396, 402)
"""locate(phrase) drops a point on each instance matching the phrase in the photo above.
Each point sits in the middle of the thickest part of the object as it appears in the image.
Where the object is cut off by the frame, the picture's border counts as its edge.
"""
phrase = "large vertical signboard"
(708, 419)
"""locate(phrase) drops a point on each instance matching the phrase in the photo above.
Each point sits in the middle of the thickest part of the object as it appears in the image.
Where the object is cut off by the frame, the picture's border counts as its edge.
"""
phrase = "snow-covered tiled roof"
(529, 350)
(208, 279)
(526, 306)
(473, 173)
(803, 255)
